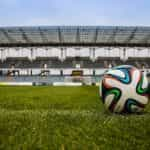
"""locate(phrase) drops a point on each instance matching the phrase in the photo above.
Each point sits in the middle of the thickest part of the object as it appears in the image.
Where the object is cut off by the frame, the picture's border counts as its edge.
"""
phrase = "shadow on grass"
(108, 113)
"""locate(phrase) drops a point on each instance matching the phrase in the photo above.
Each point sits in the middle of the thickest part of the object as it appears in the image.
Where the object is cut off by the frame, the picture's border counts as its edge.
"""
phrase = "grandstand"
(50, 54)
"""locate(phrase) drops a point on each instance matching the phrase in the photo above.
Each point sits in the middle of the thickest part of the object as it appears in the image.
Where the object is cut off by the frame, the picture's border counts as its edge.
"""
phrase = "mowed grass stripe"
(49, 98)
(43, 118)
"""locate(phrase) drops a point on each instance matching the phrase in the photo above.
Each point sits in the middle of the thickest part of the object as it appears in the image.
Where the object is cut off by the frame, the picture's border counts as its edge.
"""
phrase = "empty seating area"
(73, 63)
(57, 51)
(73, 57)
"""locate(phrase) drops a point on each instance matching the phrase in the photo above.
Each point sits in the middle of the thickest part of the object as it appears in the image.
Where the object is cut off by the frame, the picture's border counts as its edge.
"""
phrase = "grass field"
(66, 118)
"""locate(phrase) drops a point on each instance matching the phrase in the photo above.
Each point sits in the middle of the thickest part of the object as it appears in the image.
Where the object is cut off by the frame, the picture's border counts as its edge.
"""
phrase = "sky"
(74, 12)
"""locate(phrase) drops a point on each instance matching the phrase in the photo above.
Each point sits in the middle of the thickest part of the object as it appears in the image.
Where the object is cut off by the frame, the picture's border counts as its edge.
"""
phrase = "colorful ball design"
(124, 89)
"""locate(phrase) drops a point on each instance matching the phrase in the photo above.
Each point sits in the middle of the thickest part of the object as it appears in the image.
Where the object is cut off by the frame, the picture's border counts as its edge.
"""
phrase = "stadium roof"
(75, 36)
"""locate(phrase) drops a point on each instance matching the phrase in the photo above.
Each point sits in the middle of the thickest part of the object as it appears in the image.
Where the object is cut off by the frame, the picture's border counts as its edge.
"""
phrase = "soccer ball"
(124, 89)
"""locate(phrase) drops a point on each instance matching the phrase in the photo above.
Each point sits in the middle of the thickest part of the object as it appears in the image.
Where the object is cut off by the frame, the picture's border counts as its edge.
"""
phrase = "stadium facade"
(57, 53)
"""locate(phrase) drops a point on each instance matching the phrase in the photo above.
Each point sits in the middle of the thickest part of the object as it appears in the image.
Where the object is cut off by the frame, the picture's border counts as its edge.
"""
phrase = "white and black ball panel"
(124, 89)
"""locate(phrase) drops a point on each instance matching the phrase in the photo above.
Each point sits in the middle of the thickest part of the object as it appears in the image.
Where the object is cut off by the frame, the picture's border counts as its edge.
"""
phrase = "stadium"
(49, 77)
(57, 54)
(74, 75)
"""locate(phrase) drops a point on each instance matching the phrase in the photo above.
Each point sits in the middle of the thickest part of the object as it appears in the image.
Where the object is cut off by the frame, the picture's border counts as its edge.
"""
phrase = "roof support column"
(92, 54)
(148, 52)
(3, 56)
(32, 54)
(124, 54)
(63, 54)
